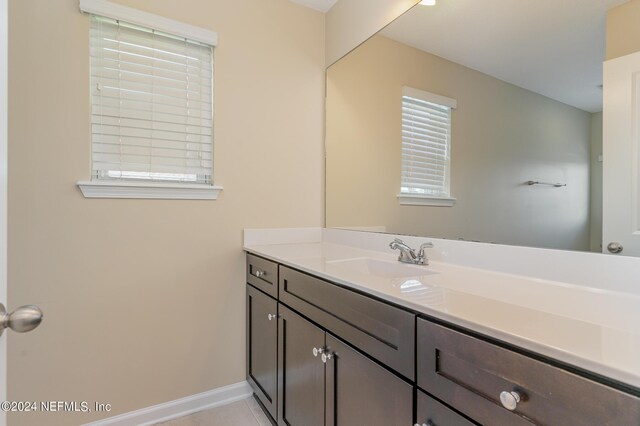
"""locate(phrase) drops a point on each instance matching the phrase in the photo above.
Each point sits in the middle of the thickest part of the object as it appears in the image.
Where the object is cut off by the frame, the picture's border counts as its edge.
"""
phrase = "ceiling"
(555, 48)
(319, 5)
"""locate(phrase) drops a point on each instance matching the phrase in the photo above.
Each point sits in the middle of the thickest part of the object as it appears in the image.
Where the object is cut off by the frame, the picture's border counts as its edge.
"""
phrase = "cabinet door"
(262, 347)
(300, 373)
(361, 392)
(431, 412)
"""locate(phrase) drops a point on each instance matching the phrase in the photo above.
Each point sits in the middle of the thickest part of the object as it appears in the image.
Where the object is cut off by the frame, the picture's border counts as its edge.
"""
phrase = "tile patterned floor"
(242, 413)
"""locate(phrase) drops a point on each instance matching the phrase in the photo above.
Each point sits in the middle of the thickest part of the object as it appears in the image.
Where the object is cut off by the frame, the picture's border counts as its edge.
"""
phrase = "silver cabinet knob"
(260, 273)
(326, 356)
(615, 248)
(271, 317)
(428, 423)
(317, 351)
(23, 319)
(510, 400)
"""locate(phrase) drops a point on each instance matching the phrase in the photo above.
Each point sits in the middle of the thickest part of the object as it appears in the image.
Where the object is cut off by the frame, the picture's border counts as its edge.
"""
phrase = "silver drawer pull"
(317, 351)
(428, 423)
(326, 356)
(510, 400)
(271, 317)
(260, 273)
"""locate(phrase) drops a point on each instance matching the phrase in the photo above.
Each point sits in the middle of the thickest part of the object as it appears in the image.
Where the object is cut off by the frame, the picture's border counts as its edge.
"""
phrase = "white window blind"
(426, 143)
(151, 104)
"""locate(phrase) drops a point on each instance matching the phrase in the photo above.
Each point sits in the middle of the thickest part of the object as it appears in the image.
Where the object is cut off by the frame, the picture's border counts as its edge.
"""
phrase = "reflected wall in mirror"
(522, 82)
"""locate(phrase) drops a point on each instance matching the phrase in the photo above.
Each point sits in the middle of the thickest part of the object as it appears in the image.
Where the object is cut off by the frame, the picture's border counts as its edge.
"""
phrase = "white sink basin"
(380, 268)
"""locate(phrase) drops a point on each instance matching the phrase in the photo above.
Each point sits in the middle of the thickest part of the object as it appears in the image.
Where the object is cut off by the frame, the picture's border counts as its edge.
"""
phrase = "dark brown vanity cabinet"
(323, 381)
(339, 357)
(262, 347)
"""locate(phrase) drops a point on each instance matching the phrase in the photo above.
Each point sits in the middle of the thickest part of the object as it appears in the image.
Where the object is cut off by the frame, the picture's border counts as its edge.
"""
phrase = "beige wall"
(351, 22)
(144, 299)
(596, 182)
(502, 136)
(623, 30)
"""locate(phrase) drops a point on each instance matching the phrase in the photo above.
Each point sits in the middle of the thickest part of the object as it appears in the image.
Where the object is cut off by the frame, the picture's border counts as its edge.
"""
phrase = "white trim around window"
(144, 190)
(152, 188)
(429, 97)
(424, 200)
(149, 20)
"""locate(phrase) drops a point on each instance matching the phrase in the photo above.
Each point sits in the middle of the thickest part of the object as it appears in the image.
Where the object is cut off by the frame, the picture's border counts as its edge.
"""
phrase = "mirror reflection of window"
(426, 143)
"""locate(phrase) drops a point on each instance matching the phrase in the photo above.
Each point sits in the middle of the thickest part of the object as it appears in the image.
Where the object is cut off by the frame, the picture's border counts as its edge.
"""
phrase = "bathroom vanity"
(342, 335)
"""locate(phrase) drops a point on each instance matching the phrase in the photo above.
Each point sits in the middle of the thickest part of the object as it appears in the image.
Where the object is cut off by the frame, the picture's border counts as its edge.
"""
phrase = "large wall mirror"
(476, 121)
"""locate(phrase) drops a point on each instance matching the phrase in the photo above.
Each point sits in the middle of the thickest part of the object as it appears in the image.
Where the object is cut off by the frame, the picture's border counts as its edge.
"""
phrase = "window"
(151, 102)
(426, 148)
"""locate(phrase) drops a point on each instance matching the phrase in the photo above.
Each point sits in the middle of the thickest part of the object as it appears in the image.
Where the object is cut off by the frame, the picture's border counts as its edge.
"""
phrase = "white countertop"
(594, 329)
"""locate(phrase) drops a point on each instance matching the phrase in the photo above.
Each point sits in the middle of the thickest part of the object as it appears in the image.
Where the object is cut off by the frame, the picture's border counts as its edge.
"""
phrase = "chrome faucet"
(409, 255)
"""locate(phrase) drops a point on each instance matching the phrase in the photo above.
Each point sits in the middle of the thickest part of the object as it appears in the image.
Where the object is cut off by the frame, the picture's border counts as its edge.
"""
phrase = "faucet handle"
(421, 254)
(425, 245)
(394, 244)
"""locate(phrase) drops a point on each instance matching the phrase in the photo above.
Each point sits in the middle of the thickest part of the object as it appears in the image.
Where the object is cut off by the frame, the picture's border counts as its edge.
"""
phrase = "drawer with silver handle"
(263, 274)
(497, 386)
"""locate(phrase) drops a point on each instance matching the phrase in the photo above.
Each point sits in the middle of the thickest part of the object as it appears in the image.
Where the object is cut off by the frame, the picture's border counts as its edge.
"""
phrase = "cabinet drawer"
(431, 412)
(382, 331)
(263, 274)
(470, 374)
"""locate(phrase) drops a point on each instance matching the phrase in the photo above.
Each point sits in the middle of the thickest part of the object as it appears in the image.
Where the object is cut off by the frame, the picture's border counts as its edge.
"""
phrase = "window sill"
(145, 190)
(424, 200)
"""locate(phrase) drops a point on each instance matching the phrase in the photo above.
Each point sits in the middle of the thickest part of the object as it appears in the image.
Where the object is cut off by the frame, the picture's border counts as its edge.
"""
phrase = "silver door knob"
(271, 317)
(510, 400)
(23, 319)
(317, 351)
(326, 356)
(615, 248)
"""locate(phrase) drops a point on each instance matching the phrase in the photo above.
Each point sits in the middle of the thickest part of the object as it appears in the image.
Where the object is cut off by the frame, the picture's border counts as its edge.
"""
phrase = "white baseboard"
(179, 407)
